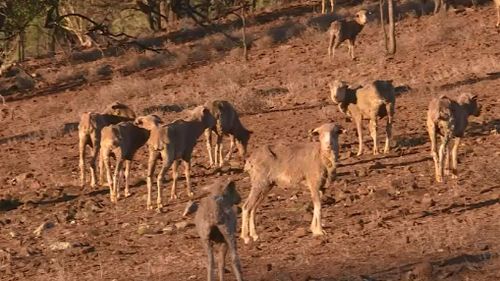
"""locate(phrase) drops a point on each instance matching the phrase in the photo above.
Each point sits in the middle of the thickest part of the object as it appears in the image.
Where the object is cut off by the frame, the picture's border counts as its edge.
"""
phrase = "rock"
(46, 225)
(59, 246)
(376, 165)
(168, 229)
(427, 200)
(301, 232)
(361, 172)
(21, 178)
(142, 229)
(182, 224)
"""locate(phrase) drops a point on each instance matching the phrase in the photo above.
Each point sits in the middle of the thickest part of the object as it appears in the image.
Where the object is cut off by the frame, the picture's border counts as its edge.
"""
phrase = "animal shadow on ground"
(442, 268)
(470, 81)
(476, 129)
(9, 204)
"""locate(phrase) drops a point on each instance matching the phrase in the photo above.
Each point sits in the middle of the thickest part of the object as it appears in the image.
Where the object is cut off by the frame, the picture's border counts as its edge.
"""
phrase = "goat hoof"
(173, 196)
(190, 194)
(255, 237)
(246, 240)
(149, 207)
(454, 176)
(127, 194)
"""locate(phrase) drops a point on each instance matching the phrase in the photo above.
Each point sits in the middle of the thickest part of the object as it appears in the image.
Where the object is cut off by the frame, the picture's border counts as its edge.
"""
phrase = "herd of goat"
(119, 131)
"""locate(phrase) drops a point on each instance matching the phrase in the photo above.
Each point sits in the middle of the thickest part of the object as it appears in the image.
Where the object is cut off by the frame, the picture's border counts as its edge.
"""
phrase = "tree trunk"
(382, 23)
(20, 47)
(243, 35)
(392, 29)
(154, 15)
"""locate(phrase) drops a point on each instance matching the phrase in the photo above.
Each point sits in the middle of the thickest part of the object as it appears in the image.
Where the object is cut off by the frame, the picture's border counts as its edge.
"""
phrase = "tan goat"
(343, 30)
(216, 223)
(448, 118)
(373, 101)
(312, 162)
(173, 142)
(123, 140)
(227, 123)
(89, 133)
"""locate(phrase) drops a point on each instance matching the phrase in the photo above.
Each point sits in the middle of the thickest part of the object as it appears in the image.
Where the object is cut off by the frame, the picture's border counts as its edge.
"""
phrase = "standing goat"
(216, 222)
(227, 123)
(373, 101)
(173, 142)
(448, 118)
(122, 139)
(312, 162)
(89, 133)
(343, 30)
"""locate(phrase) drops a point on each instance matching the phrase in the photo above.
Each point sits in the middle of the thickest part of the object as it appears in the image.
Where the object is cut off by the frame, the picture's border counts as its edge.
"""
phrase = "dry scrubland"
(385, 217)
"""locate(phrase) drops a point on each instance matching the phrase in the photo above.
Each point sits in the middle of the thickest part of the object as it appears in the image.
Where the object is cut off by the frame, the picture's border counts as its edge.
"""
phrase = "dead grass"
(138, 62)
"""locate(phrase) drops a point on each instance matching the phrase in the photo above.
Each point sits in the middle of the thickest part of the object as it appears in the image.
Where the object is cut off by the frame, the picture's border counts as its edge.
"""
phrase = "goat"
(89, 133)
(123, 139)
(227, 123)
(270, 165)
(448, 118)
(216, 222)
(174, 142)
(373, 101)
(343, 30)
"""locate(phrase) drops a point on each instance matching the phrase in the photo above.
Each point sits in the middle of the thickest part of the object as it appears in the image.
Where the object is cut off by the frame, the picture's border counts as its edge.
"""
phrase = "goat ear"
(313, 132)
(473, 97)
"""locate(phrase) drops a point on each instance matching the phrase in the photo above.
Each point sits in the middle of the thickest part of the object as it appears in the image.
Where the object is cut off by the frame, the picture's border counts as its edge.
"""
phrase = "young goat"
(89, 133)
(343, 30)
(313, 162)
(373, 101)
(227, 123)
(123, 139)
(448, 118)
(173, 142)
(216, 222)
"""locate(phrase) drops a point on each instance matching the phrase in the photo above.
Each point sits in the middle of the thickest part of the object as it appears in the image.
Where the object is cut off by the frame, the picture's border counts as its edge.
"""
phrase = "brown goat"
(216, 222)
(448, 118)
(123, 140)
(373, 101)
(312, 162)
(89, 133)
(173, 142)
(227, 123)
(343, 30)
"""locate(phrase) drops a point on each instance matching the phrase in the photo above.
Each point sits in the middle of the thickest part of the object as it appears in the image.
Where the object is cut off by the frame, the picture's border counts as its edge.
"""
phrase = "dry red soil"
(385, 217)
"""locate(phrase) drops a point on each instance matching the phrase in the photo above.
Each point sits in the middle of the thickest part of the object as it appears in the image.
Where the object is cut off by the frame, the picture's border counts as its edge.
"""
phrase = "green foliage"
(19, 13)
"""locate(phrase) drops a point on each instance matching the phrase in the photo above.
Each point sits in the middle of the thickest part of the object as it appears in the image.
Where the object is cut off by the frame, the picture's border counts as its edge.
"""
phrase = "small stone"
(142, 229)
(182, 225)
(427, 200)
(301, 232)
(59, 246)
(376, 165)
(46, 225)
(168, 229)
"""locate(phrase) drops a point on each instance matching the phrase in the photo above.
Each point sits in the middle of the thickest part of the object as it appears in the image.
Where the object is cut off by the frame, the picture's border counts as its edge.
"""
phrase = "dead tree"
(389, 38)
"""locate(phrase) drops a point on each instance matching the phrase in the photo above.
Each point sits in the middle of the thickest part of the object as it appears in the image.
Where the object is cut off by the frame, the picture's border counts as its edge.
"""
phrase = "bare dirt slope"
(385, 217)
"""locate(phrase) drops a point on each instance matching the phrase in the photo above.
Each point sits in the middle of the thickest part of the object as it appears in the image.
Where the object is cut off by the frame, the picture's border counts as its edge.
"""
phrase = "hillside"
(384, 215)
